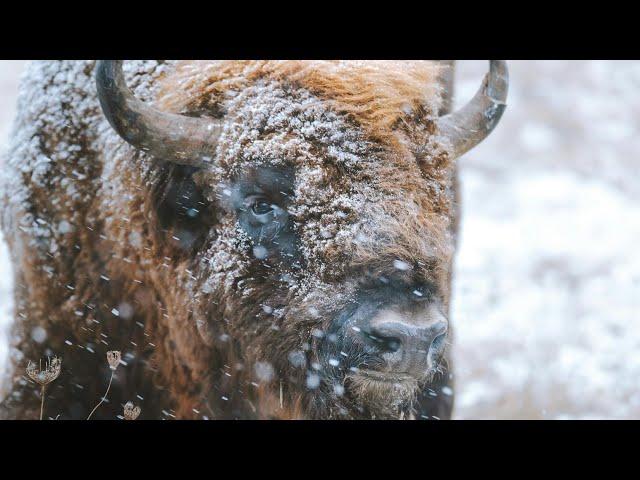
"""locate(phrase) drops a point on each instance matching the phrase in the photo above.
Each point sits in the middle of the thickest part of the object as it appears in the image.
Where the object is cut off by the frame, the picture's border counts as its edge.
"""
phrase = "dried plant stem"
(42, 402)
(104, 396)
(52, 370)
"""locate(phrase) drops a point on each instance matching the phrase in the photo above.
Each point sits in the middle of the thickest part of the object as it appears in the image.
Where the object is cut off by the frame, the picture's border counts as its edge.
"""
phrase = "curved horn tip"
(467, 127)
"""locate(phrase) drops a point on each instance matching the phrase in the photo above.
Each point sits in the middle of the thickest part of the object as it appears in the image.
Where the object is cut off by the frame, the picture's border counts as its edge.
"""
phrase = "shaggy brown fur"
(377, 95)
(106, 259)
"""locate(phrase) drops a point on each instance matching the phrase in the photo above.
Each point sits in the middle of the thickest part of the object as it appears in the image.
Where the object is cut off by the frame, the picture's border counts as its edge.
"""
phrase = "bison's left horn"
(171, 137)
(467, 127)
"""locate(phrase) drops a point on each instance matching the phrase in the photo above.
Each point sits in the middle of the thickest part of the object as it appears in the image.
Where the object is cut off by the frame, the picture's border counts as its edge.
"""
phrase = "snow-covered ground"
(547, 291)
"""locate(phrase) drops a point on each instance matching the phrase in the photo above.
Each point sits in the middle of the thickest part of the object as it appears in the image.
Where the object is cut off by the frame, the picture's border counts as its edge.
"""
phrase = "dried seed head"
(113, 357)
(51, 371)
(131, 412)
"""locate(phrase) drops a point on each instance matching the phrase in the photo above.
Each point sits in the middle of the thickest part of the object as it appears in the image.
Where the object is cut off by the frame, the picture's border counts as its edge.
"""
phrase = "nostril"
(382, 342)
(438, 343)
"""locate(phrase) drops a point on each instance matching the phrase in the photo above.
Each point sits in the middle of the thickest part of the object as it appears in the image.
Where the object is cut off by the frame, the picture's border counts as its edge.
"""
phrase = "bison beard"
(298, 267)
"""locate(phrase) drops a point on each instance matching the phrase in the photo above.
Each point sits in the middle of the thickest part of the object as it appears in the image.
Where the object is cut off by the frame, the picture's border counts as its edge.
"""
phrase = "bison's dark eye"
(261, 198)
(261, 207)
(263, 218)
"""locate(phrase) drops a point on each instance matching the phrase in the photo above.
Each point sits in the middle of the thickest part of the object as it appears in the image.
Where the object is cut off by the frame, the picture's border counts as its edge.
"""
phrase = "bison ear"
(184, 216)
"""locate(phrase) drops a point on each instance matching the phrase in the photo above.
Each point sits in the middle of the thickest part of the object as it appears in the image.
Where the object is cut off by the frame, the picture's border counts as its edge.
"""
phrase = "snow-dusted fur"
(105, 259)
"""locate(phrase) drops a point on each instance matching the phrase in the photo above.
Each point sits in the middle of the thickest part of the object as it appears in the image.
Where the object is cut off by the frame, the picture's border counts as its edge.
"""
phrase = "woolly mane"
(376, 94)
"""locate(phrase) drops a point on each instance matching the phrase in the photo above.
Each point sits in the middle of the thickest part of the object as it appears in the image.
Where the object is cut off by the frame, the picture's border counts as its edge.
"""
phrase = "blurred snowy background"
(9, 76)
(547, 291)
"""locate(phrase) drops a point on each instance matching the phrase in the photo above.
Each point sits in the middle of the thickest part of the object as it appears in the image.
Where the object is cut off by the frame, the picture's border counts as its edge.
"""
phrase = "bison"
(260, 239)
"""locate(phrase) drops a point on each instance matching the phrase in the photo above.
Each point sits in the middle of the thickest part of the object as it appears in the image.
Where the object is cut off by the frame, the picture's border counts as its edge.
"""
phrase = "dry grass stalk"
(43, 377)
(131, 411)
(113, 358)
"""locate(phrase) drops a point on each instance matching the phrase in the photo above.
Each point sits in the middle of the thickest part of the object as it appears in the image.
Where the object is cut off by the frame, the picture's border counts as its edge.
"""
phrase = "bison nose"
(394, 336)
(407, 346)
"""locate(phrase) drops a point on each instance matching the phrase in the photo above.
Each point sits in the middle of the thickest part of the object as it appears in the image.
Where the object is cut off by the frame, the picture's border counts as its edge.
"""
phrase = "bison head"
(315, 212)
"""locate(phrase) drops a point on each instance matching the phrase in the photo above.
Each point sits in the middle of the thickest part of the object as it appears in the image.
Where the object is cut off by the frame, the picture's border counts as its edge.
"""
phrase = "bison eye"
(261, 207)
(260, 198)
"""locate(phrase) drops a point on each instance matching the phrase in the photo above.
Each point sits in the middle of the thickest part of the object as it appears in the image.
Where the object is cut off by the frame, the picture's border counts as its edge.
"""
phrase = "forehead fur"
(375, 94)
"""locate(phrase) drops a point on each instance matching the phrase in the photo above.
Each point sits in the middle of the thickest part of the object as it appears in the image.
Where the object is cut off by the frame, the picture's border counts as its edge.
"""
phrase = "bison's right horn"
(174, 138)
(467, 127)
